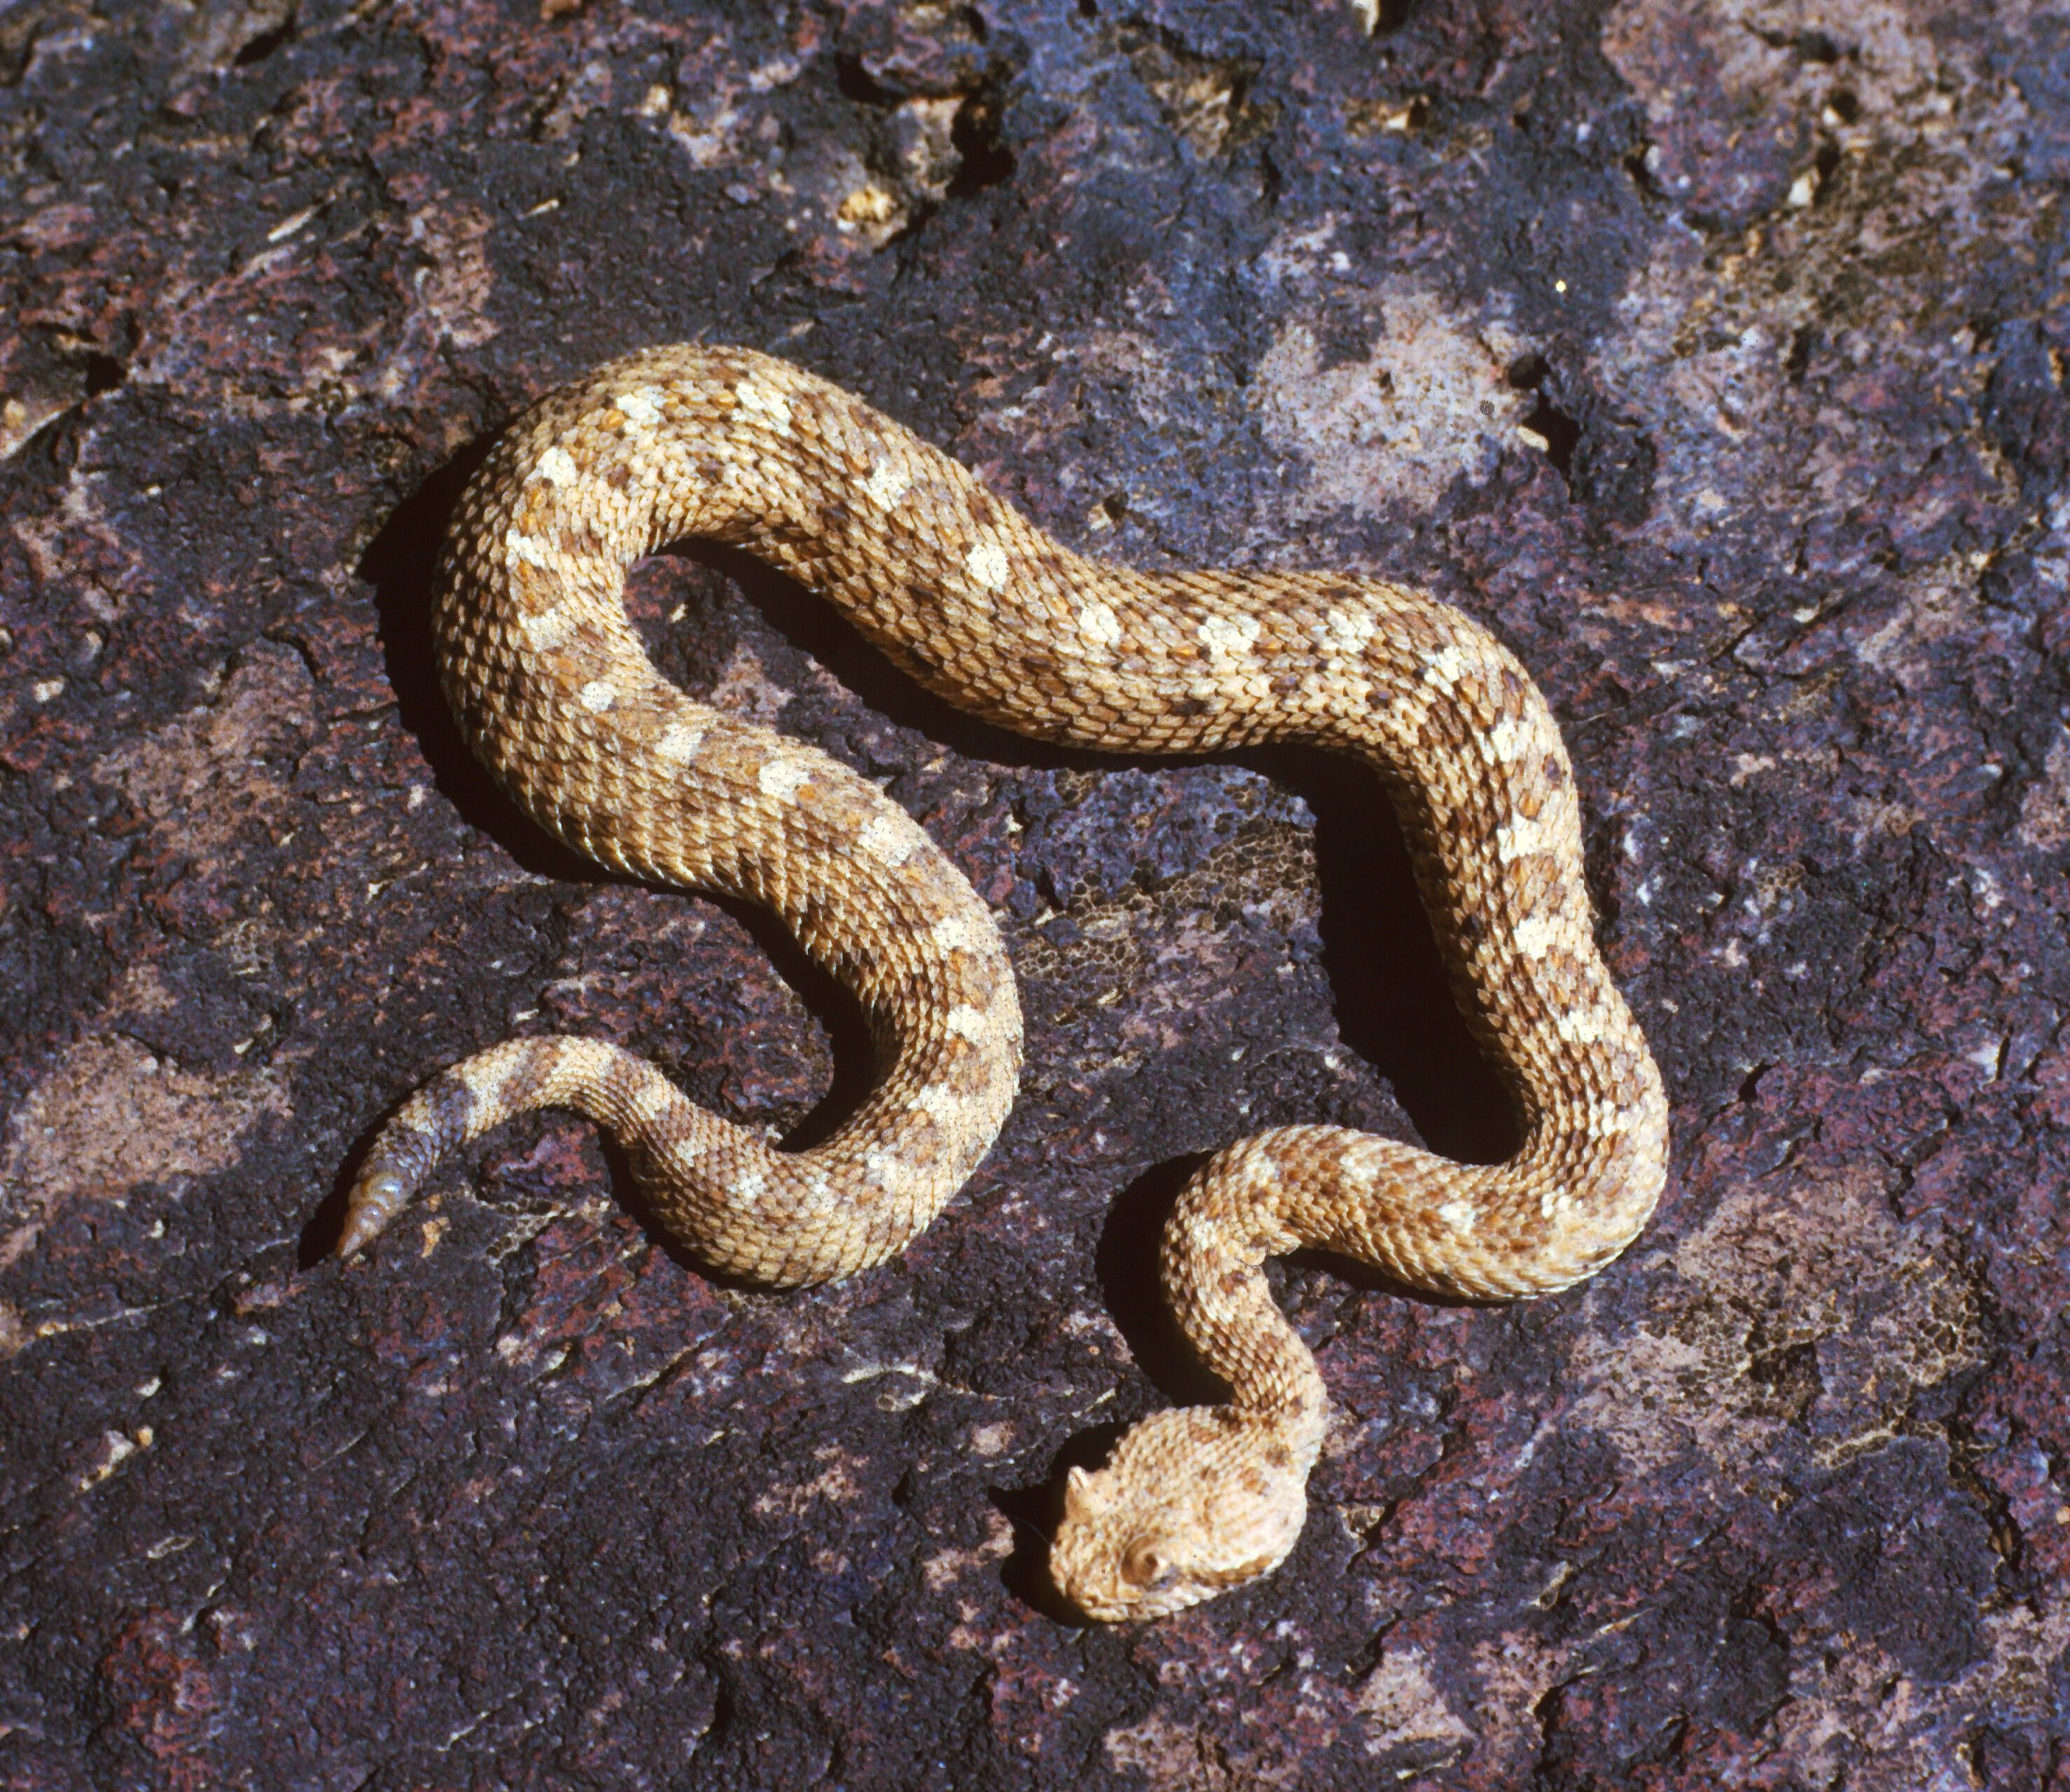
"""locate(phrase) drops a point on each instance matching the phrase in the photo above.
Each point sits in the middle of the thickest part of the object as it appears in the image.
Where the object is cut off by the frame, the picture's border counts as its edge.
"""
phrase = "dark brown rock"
(1712, 354)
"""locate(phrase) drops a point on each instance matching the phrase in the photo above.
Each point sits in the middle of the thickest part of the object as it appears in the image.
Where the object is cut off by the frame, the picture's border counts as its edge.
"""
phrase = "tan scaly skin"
(556, 695)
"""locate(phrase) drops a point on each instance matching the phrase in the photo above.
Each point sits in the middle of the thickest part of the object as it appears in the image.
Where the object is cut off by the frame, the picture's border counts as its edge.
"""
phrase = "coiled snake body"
(555, 692)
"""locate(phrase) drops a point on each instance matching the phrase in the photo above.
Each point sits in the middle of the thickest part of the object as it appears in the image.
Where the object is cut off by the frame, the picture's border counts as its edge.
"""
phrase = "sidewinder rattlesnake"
(554, 693)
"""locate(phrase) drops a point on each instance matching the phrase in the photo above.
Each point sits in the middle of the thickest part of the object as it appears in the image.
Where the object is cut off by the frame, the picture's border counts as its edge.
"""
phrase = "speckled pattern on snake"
(554, 691)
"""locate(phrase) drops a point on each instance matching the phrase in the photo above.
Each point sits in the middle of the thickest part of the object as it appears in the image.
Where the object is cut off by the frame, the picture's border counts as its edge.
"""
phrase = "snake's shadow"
(1392, 1005)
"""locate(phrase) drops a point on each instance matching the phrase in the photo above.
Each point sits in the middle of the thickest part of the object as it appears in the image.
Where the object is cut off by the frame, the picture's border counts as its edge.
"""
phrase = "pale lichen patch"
(1431, 400)
(1802, 1305)
(111, 1115)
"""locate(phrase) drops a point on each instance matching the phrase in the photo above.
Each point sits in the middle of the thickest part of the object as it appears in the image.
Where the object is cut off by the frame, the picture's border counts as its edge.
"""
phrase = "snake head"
(1193, 1503)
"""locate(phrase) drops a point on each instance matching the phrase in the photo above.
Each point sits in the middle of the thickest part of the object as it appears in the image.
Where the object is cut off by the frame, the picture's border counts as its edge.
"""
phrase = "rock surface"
(1711, 350)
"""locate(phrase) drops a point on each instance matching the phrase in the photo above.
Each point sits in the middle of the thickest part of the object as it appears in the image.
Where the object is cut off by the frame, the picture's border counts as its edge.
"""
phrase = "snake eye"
(1143, 1564)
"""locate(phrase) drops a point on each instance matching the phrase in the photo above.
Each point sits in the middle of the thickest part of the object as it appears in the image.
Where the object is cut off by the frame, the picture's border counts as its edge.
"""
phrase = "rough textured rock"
(1711, 352)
